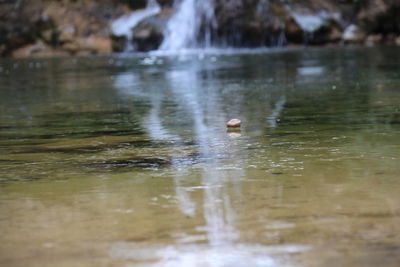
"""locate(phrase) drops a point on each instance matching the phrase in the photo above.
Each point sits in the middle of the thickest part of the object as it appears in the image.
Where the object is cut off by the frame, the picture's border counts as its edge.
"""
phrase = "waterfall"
(191, 26)
(123, 26)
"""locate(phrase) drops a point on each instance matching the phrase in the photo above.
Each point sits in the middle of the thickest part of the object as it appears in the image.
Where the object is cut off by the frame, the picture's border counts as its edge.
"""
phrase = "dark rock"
(140, 4)
(148, 35)
(331, 33)
(118, 43)
(17, 25)
(380, 16)
(249, 23)
(293, 32)
(273, 23)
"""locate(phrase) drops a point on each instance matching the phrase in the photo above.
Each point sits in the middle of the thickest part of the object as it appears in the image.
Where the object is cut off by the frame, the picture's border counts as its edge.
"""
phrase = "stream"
(126, 160)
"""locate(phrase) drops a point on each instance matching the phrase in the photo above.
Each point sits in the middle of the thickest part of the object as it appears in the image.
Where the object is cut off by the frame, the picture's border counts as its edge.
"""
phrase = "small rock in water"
(233, 123)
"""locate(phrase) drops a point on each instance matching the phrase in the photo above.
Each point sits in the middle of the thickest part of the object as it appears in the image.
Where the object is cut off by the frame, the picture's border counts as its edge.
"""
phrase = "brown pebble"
(233, 123)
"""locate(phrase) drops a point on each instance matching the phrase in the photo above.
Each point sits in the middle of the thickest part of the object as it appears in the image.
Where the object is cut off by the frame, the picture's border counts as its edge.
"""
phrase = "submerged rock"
(233, 123)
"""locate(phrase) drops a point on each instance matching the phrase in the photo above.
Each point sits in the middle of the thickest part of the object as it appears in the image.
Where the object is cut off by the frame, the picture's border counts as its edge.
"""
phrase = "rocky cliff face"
(76, 27)
(277, 22)
(57, 27)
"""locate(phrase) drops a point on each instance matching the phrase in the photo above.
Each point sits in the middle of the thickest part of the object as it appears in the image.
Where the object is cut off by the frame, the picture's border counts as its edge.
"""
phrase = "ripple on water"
(127, 164)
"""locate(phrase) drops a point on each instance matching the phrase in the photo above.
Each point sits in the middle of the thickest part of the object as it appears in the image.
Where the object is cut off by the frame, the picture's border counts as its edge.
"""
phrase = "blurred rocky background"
(82, 27)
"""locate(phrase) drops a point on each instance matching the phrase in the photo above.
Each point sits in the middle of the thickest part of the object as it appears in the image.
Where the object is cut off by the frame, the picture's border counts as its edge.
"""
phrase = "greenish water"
(126, 161)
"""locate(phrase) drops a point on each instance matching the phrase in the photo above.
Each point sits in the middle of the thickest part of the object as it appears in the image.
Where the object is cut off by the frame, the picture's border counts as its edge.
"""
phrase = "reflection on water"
(274, 117)
(113, 162)
(196, 98)
(195, 93)
(200, 255)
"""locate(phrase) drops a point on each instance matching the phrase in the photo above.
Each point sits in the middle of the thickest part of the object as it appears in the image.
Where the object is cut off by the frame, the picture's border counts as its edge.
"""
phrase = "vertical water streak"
(200, 101)
(276, 112)
(191, 26)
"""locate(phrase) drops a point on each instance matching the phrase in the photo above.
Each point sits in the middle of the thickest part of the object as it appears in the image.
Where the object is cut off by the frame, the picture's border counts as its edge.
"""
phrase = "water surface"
(126, 160)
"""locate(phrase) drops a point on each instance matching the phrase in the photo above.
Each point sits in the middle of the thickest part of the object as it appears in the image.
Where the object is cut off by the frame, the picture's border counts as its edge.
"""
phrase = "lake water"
(126, 160)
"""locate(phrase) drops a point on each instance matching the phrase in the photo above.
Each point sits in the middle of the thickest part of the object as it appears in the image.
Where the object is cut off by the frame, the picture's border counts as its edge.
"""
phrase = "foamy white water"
(124, 25)
(312, 22)
(204, 255)
(183, 29)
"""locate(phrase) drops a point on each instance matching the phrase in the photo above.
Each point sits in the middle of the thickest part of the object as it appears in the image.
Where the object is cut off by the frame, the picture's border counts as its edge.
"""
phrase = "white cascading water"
(311, 22)
(124, 25)
(184, 28)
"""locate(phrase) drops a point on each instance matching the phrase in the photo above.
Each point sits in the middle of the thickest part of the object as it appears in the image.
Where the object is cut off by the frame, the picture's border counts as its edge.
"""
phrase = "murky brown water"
(126, 161)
